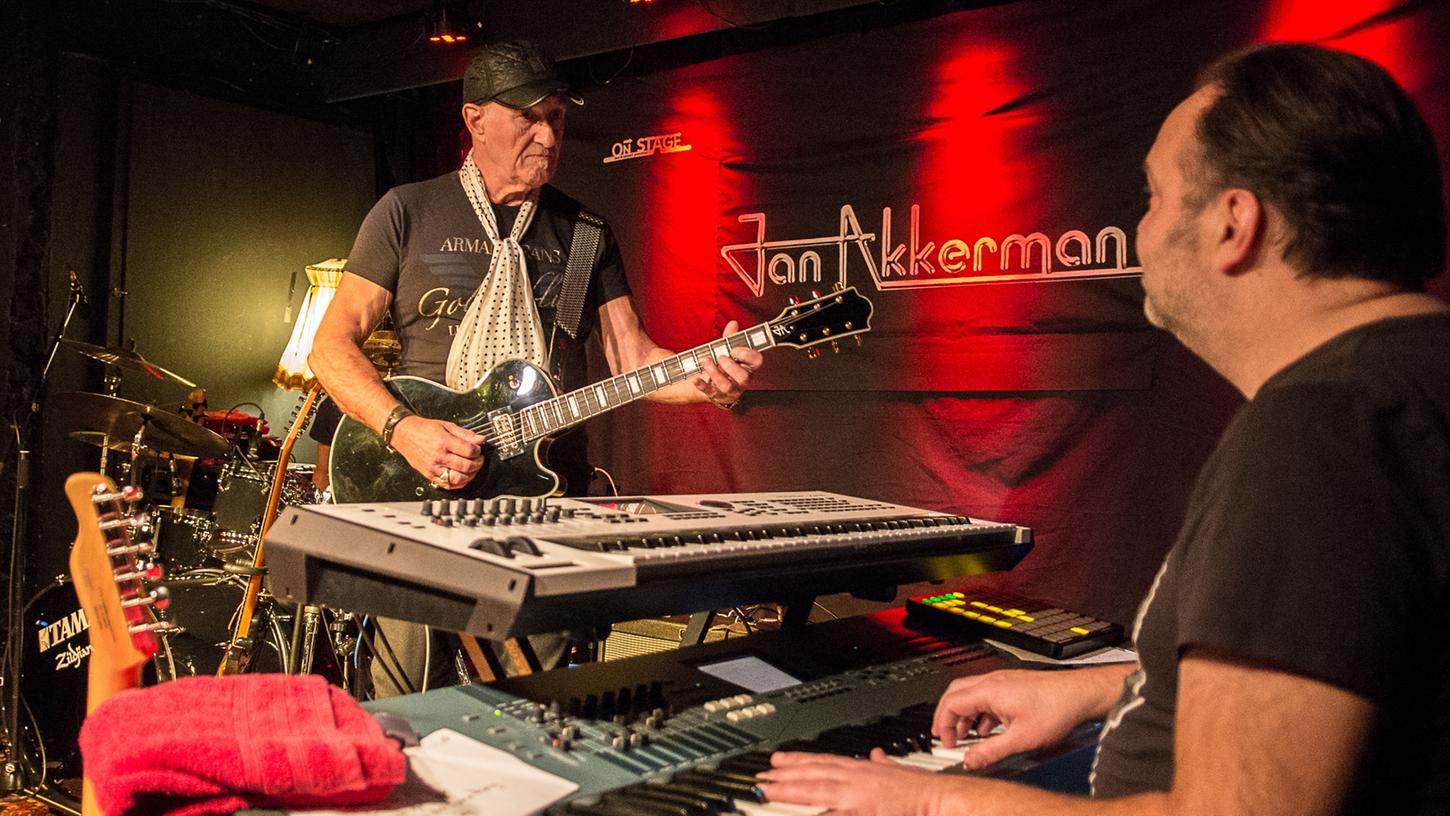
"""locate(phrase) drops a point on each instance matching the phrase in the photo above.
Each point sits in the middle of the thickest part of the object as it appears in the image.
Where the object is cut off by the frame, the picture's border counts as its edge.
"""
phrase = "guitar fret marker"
(574, 407)
(633, 382)
(659, 374)
(690, 363)
(599, 389)
(759, 340)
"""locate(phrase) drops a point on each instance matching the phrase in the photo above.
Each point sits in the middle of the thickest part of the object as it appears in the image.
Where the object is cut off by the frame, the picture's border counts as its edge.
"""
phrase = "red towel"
(203, 745)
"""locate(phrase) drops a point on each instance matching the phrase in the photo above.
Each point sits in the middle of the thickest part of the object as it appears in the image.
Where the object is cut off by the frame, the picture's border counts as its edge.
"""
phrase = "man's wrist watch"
(390, 424)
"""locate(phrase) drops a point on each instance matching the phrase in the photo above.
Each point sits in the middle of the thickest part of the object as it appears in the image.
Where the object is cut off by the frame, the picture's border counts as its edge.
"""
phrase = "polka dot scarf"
(501, 321)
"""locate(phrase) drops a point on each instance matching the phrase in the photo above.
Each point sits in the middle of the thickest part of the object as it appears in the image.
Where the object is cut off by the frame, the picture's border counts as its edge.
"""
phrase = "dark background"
(196, 155)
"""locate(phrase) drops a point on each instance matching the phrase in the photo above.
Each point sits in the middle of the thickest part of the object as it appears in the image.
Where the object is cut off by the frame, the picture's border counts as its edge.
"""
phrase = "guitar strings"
(617, 385)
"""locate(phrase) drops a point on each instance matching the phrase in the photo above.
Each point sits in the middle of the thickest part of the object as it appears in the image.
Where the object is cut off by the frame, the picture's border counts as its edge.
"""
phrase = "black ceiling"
(303, 54)
(347, 14)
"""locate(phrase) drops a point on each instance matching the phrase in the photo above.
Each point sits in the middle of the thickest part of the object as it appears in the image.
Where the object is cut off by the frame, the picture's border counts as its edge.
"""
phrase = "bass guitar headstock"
(823, 319)
(112, 575)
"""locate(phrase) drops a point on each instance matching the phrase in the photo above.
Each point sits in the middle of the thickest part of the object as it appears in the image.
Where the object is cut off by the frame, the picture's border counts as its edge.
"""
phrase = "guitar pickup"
(508, 438)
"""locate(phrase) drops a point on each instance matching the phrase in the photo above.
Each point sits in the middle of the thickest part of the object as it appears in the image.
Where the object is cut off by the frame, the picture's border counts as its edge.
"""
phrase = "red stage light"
(1346, 26)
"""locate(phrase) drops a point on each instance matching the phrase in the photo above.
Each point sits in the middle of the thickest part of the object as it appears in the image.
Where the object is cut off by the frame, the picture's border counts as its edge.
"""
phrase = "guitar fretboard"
(567, 410)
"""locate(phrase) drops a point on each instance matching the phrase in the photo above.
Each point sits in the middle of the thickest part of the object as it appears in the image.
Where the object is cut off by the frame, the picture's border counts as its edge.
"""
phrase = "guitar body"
(363, 469)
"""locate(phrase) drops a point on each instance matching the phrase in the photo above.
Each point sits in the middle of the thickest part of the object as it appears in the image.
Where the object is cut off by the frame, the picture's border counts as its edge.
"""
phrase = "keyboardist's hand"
(1034, 708)
(448, 455)
(880, 787)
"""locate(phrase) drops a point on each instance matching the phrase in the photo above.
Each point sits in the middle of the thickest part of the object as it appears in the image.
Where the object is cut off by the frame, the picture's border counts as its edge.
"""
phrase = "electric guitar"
(239, 647)
(110, 583)
(516, 408)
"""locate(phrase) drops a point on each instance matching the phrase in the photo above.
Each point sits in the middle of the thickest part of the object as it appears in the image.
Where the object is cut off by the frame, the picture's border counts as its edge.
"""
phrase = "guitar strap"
(588, 232)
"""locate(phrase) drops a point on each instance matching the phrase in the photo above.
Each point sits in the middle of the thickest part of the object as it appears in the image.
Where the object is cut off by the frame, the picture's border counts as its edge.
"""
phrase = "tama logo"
(54, 634)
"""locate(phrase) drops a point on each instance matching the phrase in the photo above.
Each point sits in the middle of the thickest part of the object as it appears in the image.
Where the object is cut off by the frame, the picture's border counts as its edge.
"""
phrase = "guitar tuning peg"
(815, 293)
(129, 494)
(835, 347)
(162, 627)
(127, 549)
(857, 338)
(160, 598)
(814, 353)
(147, 572)
(792, 300)
(838, 287)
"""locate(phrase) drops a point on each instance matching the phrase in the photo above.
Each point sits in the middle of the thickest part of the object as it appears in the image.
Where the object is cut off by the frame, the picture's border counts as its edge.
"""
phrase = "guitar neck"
(567, 410)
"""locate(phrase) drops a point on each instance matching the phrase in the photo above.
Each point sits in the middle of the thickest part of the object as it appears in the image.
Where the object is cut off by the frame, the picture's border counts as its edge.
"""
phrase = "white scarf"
(501, 321)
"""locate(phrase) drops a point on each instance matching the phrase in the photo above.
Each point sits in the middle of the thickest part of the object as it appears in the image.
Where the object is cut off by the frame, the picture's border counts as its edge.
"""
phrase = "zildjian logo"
(913, 264)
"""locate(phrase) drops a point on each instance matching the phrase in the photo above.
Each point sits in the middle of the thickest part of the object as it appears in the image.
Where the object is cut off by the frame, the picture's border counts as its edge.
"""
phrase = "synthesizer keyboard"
(503, 567)
(700, 721)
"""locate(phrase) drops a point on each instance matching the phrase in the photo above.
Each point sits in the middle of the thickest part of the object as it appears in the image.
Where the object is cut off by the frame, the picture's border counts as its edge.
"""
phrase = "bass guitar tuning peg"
(160, 598)
(150, 573)
(128, 494)
(127, 549)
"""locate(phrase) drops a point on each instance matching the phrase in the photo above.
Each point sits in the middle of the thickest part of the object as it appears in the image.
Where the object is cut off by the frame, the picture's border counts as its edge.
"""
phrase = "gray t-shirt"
(423, 242)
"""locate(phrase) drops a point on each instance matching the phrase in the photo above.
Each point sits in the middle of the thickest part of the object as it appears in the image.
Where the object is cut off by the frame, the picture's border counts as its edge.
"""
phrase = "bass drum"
(53, 676)
(204, 607)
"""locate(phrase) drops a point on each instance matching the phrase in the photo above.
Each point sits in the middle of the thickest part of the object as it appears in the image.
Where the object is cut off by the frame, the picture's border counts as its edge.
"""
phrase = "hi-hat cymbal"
(125, 358)
(98, 419)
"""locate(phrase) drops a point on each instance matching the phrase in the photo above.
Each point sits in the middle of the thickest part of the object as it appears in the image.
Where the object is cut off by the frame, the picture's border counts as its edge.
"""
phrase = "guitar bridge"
(508, 439)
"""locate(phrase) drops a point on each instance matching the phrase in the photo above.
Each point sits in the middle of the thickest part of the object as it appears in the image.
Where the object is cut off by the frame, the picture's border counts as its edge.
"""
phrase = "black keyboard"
(1021, 622)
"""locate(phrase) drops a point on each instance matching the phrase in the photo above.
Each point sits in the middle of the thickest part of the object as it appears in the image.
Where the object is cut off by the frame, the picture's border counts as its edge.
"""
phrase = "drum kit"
(207, 478)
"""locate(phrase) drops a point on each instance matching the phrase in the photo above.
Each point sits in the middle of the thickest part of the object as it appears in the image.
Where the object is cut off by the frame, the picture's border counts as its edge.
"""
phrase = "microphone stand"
(17, 765)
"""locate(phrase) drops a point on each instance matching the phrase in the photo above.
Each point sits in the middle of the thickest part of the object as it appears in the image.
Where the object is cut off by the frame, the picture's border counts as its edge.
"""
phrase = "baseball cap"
(516, 74)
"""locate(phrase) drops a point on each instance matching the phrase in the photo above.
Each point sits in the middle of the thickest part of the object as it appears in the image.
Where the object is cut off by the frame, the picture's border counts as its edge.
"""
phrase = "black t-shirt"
(1317, 542)
(424, 243)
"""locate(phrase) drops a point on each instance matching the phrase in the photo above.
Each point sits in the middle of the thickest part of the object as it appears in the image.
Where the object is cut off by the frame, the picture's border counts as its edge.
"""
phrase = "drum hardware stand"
(15, 764)
(304, 627)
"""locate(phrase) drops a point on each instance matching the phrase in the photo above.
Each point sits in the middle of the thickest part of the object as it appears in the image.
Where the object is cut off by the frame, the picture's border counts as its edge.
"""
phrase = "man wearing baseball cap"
(472, 265)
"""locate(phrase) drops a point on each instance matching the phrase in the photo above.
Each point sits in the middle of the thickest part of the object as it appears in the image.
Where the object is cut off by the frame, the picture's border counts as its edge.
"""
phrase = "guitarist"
(472, 265)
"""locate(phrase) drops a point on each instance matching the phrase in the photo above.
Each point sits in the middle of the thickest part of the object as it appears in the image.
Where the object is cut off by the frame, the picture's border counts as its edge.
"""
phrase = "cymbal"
(125, 358)
(98, 419)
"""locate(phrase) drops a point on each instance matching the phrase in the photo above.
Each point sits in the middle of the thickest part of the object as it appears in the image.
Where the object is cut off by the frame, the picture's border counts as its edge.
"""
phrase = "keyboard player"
(1293, 649)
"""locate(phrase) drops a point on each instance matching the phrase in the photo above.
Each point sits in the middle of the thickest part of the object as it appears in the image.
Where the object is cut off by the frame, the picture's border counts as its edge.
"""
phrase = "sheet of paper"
(1109, 654)
(452, 775)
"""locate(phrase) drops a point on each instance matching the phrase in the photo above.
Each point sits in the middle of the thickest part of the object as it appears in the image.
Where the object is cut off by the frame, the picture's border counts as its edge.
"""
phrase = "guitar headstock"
(110, 580)
(842, 313)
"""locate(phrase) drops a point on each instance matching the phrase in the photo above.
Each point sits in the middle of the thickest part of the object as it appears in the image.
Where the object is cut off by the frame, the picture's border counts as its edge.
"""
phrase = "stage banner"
(976, 175)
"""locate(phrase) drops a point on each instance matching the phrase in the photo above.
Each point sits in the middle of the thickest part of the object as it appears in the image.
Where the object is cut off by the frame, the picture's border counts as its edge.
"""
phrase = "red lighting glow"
(1342, 25)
